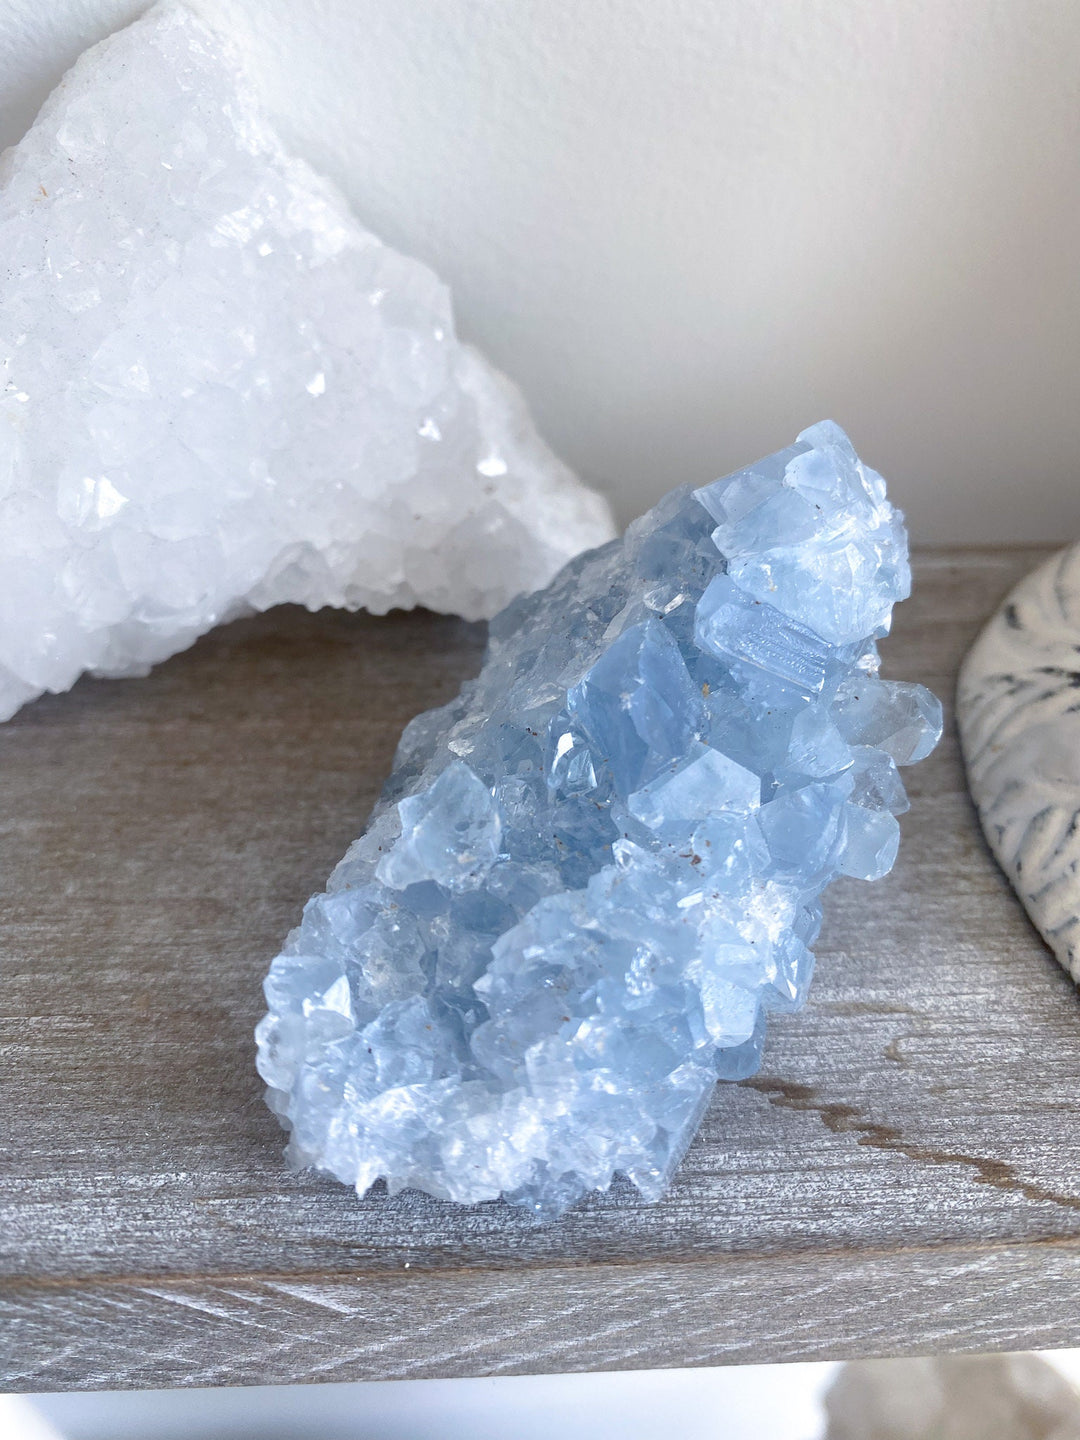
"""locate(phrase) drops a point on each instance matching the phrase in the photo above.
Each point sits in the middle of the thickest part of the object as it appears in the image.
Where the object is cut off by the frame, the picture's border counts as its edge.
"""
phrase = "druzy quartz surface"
(594, 874)
(219, 391)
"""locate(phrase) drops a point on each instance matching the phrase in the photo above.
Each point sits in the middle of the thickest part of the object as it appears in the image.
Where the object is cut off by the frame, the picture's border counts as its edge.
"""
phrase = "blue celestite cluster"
(594, 872)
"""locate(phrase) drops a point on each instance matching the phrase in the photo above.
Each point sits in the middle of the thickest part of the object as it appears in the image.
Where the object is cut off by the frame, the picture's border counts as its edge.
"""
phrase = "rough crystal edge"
(542, 507)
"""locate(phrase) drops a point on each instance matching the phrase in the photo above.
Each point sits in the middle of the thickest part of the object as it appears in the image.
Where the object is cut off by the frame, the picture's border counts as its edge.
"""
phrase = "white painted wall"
(689, 227)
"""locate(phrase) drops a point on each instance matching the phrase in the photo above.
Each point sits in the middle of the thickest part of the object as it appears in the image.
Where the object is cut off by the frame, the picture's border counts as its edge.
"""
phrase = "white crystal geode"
(220, 392)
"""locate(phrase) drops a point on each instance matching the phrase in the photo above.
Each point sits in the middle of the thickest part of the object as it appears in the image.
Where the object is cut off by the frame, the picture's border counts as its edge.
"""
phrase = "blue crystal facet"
(595, 871)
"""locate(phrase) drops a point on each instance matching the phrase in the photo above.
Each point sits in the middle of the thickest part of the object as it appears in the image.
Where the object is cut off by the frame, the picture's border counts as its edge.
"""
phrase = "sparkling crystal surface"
(218, 391)
(595, 872)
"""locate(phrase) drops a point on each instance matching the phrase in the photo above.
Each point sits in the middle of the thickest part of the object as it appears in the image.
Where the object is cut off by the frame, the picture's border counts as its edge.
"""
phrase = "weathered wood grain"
(904, 1175)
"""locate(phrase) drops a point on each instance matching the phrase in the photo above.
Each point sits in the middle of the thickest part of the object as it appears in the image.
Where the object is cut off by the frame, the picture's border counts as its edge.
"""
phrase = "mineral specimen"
(953, 1397)
(594, 872)
(1016, 705)
(220, 392)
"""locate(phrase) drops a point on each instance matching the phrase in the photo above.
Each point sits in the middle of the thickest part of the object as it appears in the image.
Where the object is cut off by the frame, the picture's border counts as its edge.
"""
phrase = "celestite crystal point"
(218, 391)
(595, 872)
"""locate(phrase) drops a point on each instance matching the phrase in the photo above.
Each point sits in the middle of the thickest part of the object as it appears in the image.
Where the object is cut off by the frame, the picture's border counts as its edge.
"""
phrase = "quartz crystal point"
(220, 392)
(595, 871)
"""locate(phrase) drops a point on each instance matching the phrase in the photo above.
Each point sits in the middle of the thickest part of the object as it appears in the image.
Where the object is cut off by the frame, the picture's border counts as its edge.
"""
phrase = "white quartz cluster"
(220, 392)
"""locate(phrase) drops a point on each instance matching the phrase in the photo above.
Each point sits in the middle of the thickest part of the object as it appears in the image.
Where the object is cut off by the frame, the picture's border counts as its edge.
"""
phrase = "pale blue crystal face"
(595, 872)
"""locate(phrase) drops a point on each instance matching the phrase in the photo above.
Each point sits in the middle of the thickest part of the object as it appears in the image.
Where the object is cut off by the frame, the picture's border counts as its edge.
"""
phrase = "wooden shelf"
(903, 1176)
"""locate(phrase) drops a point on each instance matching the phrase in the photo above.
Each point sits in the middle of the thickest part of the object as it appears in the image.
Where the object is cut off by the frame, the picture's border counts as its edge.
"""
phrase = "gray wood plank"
(904, 1174)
